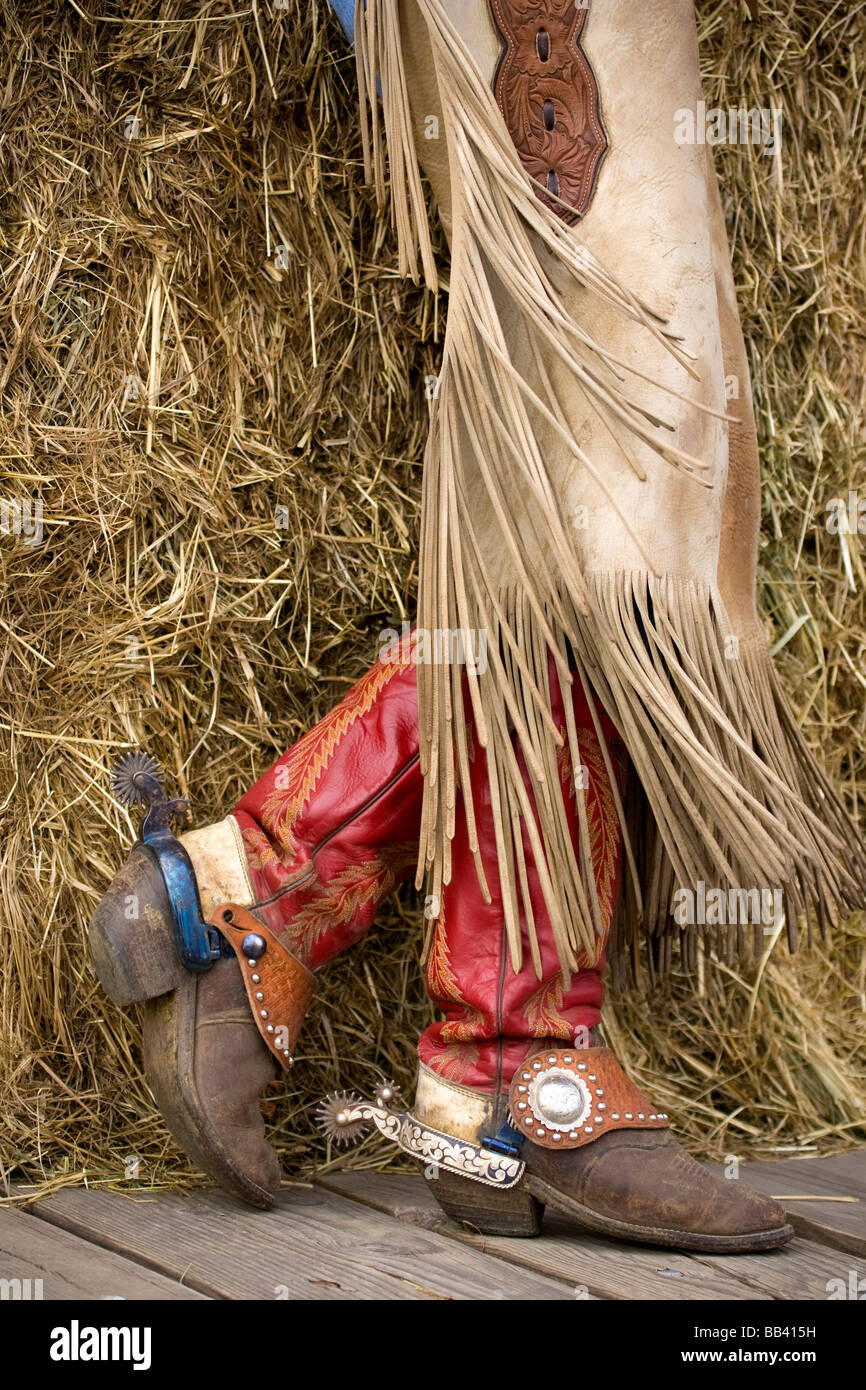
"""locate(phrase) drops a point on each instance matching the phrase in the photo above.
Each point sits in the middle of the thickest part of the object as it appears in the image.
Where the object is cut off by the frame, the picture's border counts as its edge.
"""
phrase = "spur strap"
(566, 1098)
(279, 988)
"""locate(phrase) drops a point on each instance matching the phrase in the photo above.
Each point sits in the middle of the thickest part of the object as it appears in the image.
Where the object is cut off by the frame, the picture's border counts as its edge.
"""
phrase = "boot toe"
(646, 1187)
(207, 1067)
(668, 1189)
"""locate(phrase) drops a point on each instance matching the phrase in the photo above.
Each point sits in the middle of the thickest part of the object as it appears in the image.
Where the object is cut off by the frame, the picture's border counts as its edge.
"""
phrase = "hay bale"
(214, 383)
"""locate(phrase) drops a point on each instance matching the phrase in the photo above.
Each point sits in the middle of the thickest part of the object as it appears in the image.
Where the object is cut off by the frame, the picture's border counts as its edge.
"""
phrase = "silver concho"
(559, 1099)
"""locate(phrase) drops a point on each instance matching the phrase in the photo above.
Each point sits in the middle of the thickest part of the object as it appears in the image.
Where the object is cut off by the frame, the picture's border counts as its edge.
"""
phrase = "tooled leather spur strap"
(278, 987)
(565, 1098)
(549, 98)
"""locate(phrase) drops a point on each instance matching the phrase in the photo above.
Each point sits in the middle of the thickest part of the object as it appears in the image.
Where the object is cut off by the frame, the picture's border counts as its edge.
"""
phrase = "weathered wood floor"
(381, 1236)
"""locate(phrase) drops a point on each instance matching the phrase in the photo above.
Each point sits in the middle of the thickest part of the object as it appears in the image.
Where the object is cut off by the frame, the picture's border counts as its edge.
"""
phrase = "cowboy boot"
(312, 848)
(519, 1061)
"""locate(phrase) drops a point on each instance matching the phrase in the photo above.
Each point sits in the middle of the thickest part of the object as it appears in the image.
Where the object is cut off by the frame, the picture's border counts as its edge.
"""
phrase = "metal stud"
(270, 1028)
(551, 1058)
(254, 946)
(541, 1133)
(592, 1076)
(614, 1117)
(536, 1066)
(581, 1066)
(521, 1090)
(259, 995)
(602, 1106)
(588, 1129)
(250, 961)
(264, 1013)
(526, 1076)
(567, 1059)
(573, 1134)
(521, 1105)
(641, 1117)
(257, 979)
(629, 1115)
(556, 1136)
(599, 1120)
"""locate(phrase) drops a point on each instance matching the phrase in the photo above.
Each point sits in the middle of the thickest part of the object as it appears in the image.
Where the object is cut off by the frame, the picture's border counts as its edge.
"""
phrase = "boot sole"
(168, 1045)
(518, 1211)
(654, 1235)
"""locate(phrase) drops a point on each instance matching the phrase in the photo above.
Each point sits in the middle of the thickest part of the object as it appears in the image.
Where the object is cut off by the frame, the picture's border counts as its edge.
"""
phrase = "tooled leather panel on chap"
(549, 98)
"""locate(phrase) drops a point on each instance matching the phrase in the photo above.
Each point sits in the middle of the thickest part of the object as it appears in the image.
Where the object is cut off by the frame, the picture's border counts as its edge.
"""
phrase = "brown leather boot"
(597, 1151)
(204, 1058)
(207, 1068)
(312, 848)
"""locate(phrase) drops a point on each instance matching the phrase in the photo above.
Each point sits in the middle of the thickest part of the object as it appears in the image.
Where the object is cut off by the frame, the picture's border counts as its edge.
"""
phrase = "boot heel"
(132, 935)
(490, 1211)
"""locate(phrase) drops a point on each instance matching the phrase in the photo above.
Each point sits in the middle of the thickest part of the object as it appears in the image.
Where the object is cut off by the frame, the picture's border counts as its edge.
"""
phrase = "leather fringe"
(732, 795)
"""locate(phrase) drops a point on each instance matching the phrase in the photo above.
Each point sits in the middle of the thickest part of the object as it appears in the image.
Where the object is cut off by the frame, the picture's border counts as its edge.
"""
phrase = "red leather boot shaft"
(493, 1016)
(338, 815)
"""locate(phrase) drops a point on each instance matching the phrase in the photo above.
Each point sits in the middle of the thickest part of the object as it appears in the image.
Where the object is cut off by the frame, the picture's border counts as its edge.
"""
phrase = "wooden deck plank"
(607, 1268)
(313, 1245)
(71, 1268)
(802, 1269)
(838, 1174)
(841, 1225)
(848, 1169)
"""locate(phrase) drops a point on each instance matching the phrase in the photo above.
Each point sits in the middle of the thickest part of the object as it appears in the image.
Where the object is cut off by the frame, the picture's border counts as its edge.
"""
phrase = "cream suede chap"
(585, 492)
